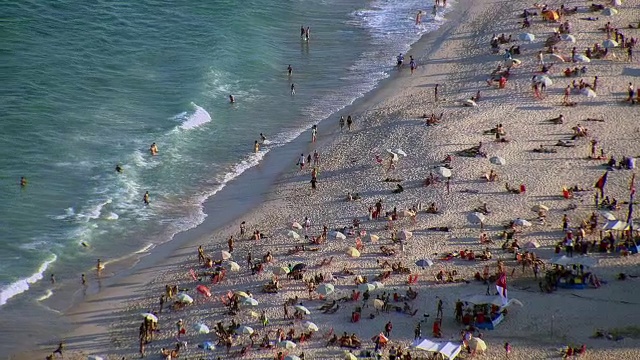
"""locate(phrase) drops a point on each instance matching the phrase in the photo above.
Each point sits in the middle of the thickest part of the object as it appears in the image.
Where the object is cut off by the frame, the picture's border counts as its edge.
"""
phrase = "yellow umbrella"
(353, 252)
(539, 207)
(477, 344)
(372, 238)
(350, 356)
(242, 294)
(281, 270)
(378, 304)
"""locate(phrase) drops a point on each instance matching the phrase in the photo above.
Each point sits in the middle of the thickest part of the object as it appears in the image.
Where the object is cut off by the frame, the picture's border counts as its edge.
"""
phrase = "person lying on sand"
(592, 119)
(563, 143)
(491, 176)
(392, 180)
(543, 150)
(432, 209)
(557, 120)
(511, 190)
(439, 228)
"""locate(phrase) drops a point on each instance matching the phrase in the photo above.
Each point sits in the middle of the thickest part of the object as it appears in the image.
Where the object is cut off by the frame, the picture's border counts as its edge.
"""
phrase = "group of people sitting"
(432, 119)
(569, 72)
(349, 341)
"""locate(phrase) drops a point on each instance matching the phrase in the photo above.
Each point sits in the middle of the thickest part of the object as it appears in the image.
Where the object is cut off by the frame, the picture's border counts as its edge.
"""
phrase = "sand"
(458, 57)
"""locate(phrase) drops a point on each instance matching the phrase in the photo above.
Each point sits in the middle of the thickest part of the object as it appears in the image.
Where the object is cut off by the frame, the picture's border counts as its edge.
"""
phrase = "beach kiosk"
(572, 271)
(485, 311)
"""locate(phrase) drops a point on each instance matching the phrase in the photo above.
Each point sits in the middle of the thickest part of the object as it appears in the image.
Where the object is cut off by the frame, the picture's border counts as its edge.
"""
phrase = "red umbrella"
(204, 290)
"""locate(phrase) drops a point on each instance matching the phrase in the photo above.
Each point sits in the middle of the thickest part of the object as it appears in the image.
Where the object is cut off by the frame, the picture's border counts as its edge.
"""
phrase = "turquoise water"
(87, 86)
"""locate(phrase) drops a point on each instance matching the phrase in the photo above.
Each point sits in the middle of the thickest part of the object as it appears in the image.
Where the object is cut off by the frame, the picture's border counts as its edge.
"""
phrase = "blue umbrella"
(207, 345)
(423, 263)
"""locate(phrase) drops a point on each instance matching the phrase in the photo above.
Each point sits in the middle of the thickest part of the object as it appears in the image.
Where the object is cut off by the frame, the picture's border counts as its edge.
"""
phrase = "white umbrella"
(588, 92)
(469, 102)
(338, 235)
(95, 357)
(543, 79)
(556, 57)
(497, 160)
(308, 325)
(222, 255)
(406, 213)
(296, 225)
(286, 344)
(527, 37)
(353, 252)
(569, 38)
(616, 2)
(377, 284)
(521, 222)
(609, 43)
(405, 235)
(400, 152)
(302, 309)
(476, 218)
(184, 298)
(581, 58)
(514, 61)
(233, 266)
(293, 234)
(533, 244)
(539, 207)
(325, 289)
(609, 12)
(250, 302)
(366, 287)
(372, 237)
(150, 316)
(444, 172)
(281, 270)
(607, 215)
(292, 357)
(201, 329)
(245, 330)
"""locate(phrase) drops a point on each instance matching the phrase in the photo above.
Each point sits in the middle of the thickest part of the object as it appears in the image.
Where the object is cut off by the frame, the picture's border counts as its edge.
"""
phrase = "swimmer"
(263, 138)
(99, 267)
(118, 168)
(307, 33)
(84, 244)
(256, 146)
(83, 279)
(53, 279)
(23, 181)
(302, 32)
(145, 198)
(434, 12)
(153, 149)
(290, 70)
(232, 99)
(293, 89)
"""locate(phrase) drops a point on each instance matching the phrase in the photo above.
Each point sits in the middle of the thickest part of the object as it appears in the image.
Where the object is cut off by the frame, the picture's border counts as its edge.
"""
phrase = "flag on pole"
(601, 183)
(632, 186)
(501, 286)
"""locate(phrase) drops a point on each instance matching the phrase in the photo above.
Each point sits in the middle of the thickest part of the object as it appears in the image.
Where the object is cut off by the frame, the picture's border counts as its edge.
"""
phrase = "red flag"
(601, 183)
(632, 187)
(501, 286)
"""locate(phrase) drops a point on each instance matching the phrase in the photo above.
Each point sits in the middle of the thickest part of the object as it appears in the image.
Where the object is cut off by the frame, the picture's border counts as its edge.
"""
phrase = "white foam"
(199, 117)
(46, 295)
(111, 216)
(23, 285)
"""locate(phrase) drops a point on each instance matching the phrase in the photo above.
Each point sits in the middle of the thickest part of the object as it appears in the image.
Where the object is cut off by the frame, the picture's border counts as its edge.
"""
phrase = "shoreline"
(129, 268)
(384, 111)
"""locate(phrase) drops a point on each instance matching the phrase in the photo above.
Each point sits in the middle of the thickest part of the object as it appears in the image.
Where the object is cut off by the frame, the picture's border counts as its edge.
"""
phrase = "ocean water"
(89, 85)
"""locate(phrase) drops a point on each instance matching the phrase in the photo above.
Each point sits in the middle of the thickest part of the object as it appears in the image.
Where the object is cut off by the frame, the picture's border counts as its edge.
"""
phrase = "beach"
(458, 57)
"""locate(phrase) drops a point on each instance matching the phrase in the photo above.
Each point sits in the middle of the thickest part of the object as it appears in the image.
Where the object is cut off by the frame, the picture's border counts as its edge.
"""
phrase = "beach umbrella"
(555, 57)
(588, 92)
(609, 43)
(378, 304)
(406, 213)
(202, 289)
(286, 344)
(309, 326)
(400, 152)
(569, 38)
(526, 37)
(380, 338)
(543, 79)
(184, 298)
(521, 222)
(469, 103)
(476, 218)
(477, 345)
(551, 15)
(292, 357)
(232, 266)
(444, 172)
(423, 263)
(581, 58)
(338, 235)
(353, 252)
(349, 356)
(296, 225)
(95, 357)
(609, 12)
(537, 208)
(533, 244)
(299, 267)
(607, 215)
(497, 160)
(302, 309)
(249, 302)
(366, 287)
(208, 345)
(293, 234)
(616, 2)
(242, 294)
(405, 235)
(325, 289)
(150, 316)
(281, 270)
(221, 255)
(201, 329)
(372, 238)
(377, 284)
(245, 330)
(514, 61)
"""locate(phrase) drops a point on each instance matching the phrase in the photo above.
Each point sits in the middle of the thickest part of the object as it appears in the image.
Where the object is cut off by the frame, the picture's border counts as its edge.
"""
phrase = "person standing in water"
(99, 267)
(314, 133)
(290, 70)
(419, 17)
(293, 89)
(145, 198)
(256, 146)
(263, 138)
(153, 149)
(341, 123)
(302, 31)
(119, 168)
(83, 280)
(23, 182)
(307, 33)
(232, 99)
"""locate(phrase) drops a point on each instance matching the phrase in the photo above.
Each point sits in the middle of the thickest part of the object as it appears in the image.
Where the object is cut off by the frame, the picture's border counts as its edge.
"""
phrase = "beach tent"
(609, 12)
(248, 330)
(469, 102)
(423, 263)
(609, 43)
(578, 260)
(222, 255)
(325, 289)
(539, 207)
(527, 37)
(232, 266)
(607, 215)
(569, 38)
(521, 222)
(542, 79)
(488, 299)
(588, 93)
(372, 237)
(581, 58)
(533, 244)
(448, 349)
(476, 218)
(293, 234)
(337, 235)
(477, 345)
(615, 225)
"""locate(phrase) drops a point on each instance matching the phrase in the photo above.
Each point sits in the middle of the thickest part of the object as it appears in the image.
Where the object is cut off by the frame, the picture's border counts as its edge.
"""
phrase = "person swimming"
(153, 149)
(232, 99)
(289, 69)
(145, 198)
(119, 168)
(263, 138)
(23, 181)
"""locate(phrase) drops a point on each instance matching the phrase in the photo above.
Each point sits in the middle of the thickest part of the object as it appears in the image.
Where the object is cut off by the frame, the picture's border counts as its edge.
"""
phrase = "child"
(507, 349)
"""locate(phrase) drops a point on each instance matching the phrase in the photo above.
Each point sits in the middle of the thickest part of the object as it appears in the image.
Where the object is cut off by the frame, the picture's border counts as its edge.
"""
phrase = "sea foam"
(22, 285)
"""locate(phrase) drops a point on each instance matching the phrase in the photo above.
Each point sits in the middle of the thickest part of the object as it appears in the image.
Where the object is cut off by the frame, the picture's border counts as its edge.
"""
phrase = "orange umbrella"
(551, 15)
(204, 290)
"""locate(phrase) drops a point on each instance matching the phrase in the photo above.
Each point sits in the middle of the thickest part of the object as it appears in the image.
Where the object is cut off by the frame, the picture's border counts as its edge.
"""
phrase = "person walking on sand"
(316, 158)
(314, 183)
(434, 12)
(567, 92)
(301, 162)
(293, 89)
(145, 198)
(412, 64)
(243, 228)
(341, 122)
(201, 258)
(83, 280)
(439, 312)
(60, 349)
(507, 350)
(387, 329)
(435, 93)
(162, 301)
(630, 92)
(349, 122)
(230, 243)
(180, 328)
